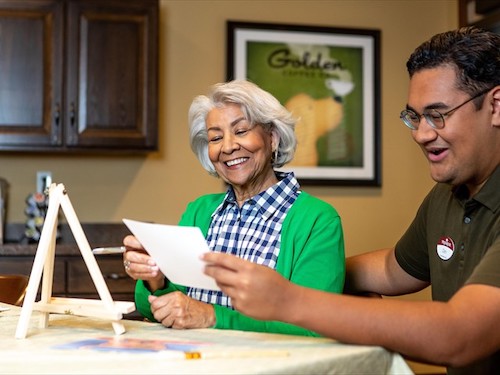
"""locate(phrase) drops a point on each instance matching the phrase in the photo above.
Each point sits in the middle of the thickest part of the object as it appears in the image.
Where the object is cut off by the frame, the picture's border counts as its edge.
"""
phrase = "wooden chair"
(13, 288)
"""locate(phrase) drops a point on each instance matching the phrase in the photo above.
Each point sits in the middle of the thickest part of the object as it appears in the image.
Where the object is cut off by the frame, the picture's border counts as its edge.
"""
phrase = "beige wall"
(192, 57)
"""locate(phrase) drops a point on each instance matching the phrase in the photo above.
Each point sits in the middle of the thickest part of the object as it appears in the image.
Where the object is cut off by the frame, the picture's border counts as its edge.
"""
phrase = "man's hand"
(255, 290)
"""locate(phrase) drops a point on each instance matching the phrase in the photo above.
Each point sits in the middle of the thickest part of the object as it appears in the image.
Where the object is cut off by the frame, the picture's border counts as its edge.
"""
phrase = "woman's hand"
(176, 310)
(140, 266)
(255, 290)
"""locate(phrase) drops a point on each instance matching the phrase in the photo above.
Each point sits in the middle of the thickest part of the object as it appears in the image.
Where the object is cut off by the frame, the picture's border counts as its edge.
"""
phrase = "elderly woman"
(241, 133)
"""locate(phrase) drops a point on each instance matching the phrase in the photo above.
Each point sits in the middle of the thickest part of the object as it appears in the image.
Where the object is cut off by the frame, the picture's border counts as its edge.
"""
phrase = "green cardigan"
(311, 254)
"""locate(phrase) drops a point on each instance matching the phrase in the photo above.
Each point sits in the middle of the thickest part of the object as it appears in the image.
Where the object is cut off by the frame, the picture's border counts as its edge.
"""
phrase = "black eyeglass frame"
(435, 113)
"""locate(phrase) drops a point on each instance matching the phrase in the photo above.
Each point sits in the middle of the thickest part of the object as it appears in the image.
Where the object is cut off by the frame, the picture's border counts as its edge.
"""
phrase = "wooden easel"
(105, 308)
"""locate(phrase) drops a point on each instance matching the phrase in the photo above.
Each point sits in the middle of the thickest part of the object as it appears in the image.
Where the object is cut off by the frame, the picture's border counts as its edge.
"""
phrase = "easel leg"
(40, 258)
(89, 258)
(48, 274)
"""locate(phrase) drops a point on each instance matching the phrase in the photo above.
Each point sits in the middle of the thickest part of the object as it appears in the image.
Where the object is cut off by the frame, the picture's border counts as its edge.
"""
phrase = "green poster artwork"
(323, 87)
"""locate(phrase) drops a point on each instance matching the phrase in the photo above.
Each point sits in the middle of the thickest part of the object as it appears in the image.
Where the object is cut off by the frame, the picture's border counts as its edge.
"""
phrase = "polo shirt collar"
(488, 196)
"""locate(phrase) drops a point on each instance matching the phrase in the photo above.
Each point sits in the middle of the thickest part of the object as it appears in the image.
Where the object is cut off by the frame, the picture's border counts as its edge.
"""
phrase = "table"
(227, 352)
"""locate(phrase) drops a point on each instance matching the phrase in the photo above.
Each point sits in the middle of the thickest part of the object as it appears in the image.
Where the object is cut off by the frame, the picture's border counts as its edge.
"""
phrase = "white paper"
(176, 250)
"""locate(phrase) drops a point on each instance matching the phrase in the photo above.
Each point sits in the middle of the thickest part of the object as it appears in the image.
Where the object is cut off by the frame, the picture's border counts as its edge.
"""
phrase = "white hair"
(258, 106)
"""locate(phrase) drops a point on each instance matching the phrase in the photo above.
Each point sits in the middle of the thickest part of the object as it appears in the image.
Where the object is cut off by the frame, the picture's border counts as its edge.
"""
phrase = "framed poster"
(329, 78)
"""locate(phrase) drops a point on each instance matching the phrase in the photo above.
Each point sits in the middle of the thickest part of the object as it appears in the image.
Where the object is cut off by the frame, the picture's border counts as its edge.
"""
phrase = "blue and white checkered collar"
(268, 201)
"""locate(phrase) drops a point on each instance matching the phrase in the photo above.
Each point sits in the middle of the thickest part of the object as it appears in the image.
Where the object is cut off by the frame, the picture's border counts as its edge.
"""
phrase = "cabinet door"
(30, 74)
(111, 267)
(22, 265)
(112, 74)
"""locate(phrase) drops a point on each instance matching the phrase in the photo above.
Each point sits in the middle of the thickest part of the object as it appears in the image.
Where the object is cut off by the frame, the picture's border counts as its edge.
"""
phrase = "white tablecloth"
(232, 352)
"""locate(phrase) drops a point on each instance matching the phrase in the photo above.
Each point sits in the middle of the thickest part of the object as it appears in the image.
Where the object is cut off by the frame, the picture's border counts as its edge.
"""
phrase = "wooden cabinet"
(481, 13)
(78, 75)
(21, 265)
(71, 275)
(72, 278)
(80, 284)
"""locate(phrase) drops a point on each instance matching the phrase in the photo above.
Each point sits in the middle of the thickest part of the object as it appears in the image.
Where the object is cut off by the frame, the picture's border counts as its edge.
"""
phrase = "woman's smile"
(240, 151)
(234, 162)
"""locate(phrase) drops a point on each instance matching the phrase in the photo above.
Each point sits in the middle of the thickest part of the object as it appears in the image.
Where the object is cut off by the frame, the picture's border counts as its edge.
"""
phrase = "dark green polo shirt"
(454, 240)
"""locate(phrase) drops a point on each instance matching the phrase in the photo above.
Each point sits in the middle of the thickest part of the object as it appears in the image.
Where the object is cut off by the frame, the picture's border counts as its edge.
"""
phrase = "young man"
(453, 243)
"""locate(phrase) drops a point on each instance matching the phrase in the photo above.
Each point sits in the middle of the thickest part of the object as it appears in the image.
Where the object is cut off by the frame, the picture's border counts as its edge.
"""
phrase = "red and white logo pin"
(445, 248)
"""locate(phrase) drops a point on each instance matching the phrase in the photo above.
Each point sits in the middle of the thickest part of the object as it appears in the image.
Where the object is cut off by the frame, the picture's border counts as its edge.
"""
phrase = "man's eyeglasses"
(433, 117)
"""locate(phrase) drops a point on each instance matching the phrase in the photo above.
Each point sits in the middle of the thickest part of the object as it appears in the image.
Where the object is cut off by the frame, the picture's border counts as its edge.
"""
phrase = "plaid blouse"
(252, 232)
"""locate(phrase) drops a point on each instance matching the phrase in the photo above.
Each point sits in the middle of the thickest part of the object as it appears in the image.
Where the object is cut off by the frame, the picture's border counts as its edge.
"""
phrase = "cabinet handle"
(72, 114)
(116, 276)
(57, 114)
